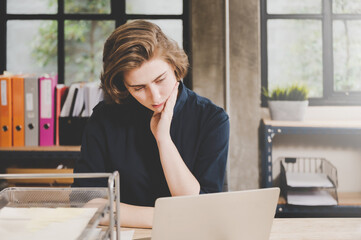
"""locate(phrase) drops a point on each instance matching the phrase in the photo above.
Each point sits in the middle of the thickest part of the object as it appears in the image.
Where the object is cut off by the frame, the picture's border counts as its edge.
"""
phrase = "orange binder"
(18, 110)
(5, 111)
(61, 92)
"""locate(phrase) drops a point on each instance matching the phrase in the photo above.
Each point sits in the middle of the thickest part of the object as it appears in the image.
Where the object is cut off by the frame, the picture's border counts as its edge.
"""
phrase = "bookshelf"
(349, 202)
(42, 149)
(39, 159)
(39, 152)
(50, 155)
(344, 198)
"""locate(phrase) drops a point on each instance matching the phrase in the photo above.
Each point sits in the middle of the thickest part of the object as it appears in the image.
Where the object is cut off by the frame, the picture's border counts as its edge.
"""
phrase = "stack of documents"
(310, 198)
(81, 99)
(305, 179)
(44, 223)
(309, 189)
(309, 181)
(76, 110)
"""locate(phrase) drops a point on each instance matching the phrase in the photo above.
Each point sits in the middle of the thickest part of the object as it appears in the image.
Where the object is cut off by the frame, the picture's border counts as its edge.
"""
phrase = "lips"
(157, 105)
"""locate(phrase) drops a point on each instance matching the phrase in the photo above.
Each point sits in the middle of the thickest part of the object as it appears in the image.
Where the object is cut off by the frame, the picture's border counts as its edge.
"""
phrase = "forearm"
(130, 215)
(179, 178)
(136, 216)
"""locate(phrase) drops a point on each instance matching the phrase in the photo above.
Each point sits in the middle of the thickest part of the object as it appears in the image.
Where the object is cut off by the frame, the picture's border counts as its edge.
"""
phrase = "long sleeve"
(212, 156)
(93, 155)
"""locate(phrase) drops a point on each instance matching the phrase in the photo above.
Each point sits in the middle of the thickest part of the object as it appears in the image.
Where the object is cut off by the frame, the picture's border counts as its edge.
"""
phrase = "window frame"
(330, 97)
(120, 17)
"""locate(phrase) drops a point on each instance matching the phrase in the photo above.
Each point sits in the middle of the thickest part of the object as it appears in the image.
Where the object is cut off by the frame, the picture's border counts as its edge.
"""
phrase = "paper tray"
(74, 198)
(308, 181)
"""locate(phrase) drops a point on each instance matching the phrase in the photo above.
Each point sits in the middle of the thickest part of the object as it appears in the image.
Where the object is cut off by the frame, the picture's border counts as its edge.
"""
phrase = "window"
(316, 42)
(67, 36)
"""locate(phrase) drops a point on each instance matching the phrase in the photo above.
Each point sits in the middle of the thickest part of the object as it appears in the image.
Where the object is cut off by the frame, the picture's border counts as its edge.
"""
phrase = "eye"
(160, 80)
(138, 89)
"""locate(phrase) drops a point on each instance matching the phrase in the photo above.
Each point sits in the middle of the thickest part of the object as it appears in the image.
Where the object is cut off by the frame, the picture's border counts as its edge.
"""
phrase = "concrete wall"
(209, 71)
(208, 49)
(245, 113)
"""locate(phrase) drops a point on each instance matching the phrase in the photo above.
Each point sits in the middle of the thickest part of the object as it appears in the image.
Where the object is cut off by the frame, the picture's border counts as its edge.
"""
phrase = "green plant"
(83, 40)
(295, 92)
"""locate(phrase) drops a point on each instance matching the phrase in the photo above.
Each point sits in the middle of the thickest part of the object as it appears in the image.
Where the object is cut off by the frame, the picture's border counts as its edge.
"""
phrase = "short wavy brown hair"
(131, 45)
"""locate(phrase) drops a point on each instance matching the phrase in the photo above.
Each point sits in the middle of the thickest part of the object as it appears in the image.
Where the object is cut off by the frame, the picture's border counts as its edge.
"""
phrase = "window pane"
(32, 46)
(154, 7)
(347, 55)
(293, 6)
(84, 41)
(346, 6)
(295, 54)
(172, 28)
(94, 6)
(32, 7)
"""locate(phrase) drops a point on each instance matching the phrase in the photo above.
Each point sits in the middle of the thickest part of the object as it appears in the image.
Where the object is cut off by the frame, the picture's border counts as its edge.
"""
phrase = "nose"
(154, 94)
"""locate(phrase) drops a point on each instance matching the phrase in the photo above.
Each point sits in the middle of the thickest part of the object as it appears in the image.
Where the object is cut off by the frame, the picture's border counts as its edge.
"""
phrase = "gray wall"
(208, 71)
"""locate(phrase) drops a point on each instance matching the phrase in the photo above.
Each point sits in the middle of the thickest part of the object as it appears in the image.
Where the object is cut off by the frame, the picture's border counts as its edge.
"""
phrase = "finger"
(172, 98)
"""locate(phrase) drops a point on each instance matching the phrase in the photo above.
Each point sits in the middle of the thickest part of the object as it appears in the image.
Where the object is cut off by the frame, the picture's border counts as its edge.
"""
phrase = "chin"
(158, 110)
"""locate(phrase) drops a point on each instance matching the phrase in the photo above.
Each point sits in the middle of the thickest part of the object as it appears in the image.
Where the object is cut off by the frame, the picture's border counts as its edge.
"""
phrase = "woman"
(164, 139)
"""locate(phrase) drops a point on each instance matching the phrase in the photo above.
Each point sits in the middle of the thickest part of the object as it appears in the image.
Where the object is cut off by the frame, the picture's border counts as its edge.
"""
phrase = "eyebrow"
(141, 85)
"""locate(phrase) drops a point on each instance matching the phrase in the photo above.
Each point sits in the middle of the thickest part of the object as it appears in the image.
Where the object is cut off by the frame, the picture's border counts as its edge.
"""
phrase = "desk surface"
(304, 229)
(316, 228)
(314, 123)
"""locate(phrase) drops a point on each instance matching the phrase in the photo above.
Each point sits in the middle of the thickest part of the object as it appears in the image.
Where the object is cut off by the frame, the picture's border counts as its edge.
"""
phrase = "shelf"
(40, 153)
(269, 129)
(349, 198)
(344, 199)
(349, 203)
(314, 124)
(349, 206)
(43, 148)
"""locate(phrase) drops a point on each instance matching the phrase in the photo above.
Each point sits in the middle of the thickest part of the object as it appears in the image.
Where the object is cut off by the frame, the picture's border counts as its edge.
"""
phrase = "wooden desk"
(139, 233)
(303, 229)
(316, 228)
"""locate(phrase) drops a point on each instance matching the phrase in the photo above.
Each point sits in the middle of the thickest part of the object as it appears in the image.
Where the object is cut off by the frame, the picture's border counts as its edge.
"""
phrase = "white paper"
(46, 101)
(296, 179)
(65, 111)
(79, 102)
(3, 93)
(125, 235)
(44, 223)
(310, 198)
(29, 104)
(92, 96)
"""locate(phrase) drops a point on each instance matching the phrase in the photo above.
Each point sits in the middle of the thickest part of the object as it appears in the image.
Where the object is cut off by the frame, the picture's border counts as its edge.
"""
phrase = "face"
(151, 84)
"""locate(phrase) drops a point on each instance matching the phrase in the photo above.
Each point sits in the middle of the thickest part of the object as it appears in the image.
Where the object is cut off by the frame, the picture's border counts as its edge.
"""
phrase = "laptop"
(229, 215)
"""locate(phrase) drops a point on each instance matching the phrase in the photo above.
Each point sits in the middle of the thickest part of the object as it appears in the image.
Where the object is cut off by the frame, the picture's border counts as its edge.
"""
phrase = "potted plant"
(287, 103)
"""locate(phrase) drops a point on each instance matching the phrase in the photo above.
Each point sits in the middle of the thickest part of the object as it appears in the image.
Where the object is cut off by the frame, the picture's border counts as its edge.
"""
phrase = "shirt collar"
(182, 97)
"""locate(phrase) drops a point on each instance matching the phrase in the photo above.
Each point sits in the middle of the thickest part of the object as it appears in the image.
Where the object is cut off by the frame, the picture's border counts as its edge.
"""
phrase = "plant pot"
(287, 110)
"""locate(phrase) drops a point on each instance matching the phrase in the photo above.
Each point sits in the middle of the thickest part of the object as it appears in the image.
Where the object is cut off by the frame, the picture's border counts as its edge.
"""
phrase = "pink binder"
(46, 109)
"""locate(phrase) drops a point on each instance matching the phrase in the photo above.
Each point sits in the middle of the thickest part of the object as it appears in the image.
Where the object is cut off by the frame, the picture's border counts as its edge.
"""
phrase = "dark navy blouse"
(118, 138)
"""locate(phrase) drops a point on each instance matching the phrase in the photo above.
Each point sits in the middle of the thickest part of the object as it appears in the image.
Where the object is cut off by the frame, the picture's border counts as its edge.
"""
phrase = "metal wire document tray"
(72, 200)
(308, 181)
